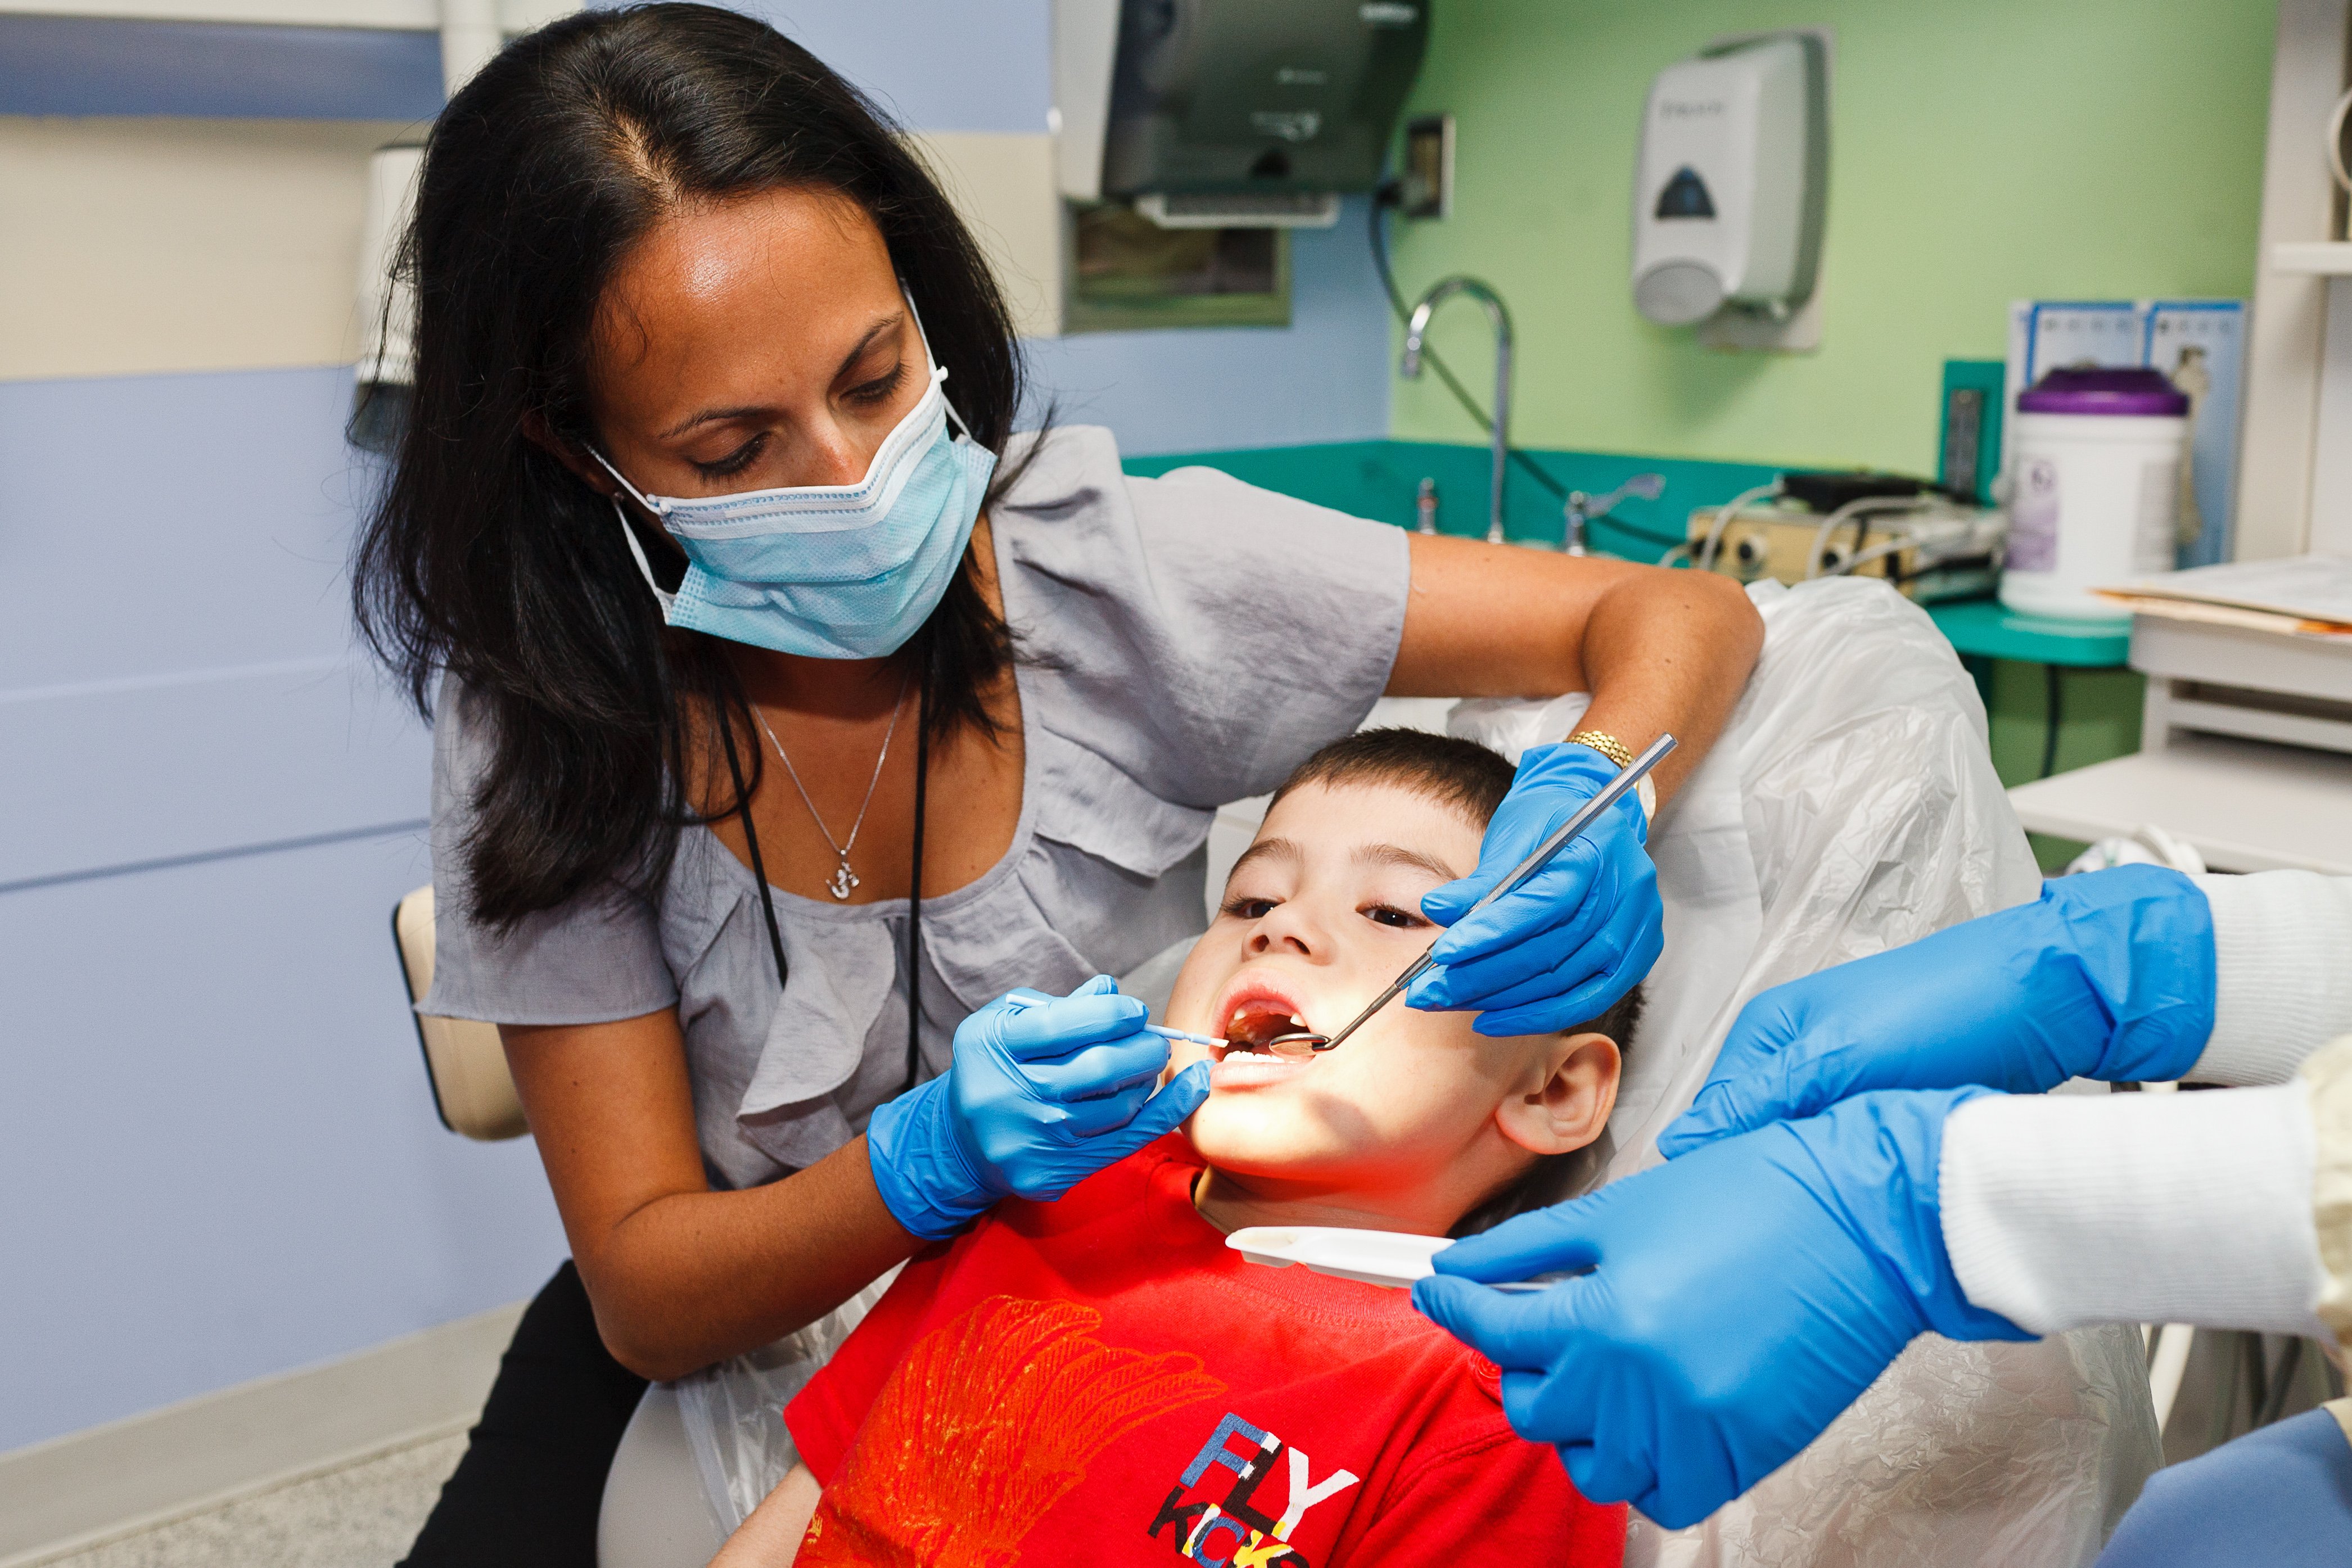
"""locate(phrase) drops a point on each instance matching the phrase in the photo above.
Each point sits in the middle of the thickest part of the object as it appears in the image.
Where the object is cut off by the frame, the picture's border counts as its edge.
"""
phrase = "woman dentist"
(1870, 1159)
(791, 710)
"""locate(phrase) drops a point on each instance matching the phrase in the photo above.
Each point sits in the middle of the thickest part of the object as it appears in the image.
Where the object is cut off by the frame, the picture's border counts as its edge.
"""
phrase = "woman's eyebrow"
(748, 411)
(1397, 855)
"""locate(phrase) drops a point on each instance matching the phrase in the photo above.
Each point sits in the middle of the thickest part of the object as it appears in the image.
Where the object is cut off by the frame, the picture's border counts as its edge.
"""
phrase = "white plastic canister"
(2094, 488)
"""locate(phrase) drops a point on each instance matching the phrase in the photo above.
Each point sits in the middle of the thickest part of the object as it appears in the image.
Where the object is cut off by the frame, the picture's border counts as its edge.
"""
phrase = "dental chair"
(464, 1064)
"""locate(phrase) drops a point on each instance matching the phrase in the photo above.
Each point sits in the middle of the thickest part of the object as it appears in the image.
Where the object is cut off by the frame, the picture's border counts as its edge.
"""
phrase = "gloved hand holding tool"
(1579, 934)
(2109, 974)
(1044, 1092)
(1733, 1302)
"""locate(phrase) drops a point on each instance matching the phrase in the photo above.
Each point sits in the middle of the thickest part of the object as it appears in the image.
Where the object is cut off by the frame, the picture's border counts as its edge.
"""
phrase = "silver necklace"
(844, 879)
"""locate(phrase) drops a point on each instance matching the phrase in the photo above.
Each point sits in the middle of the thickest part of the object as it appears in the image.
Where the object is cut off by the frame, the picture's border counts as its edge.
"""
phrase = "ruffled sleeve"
(1201, 637)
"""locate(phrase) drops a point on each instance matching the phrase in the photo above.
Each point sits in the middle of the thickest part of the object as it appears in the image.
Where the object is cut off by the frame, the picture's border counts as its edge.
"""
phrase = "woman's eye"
(1390, 914)
(734, 462)
(1249, 908)
(880, 388)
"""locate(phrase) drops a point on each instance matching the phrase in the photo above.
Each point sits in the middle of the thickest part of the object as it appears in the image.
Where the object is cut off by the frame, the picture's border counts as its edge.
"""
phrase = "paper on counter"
(2298, 588)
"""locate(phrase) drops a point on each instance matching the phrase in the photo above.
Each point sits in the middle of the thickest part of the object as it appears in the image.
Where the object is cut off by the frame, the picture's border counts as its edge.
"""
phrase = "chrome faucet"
(1582, 509)
(1418, 329)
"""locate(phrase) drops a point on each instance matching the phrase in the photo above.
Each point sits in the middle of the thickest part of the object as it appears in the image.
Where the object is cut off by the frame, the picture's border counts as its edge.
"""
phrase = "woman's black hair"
(488, 559)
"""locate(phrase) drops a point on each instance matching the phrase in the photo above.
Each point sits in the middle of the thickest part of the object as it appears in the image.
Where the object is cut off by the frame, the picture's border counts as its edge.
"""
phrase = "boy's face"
(1414, 1109)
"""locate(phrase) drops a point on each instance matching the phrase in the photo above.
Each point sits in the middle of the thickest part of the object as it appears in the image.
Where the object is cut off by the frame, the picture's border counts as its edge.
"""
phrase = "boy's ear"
(1565, 1101)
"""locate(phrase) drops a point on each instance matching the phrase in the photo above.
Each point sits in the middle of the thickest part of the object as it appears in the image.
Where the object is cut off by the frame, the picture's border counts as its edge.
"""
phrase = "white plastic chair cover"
(1851, 806)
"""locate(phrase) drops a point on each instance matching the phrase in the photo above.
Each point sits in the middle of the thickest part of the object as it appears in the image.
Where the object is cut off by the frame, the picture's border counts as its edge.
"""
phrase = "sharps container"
(2094, 490)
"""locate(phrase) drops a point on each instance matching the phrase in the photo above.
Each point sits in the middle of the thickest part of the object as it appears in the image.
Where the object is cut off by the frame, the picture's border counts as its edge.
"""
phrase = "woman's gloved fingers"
(1061, 1027)
(1557, 895)
(1616, 1473)
(1753, 1100)
(1508, 1327)
(1581, 976)
(1550, 939)
(1560, 1239)
(1104, 1067)
(1586, 984)
(1124, 1123)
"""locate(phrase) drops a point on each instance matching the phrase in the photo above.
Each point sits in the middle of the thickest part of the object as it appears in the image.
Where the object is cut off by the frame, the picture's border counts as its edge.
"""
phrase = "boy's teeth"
(1299, 1021)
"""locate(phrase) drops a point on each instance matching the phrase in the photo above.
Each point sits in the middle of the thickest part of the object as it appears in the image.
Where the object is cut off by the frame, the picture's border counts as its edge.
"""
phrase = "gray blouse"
(1187, 642)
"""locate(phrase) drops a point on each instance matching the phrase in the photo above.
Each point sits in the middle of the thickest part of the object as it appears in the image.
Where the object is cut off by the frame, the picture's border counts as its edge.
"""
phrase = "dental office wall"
(216, 1134)
(1981, 152)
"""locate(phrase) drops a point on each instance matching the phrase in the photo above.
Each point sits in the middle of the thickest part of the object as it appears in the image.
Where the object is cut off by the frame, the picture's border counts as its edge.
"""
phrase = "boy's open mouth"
(1256, 1023)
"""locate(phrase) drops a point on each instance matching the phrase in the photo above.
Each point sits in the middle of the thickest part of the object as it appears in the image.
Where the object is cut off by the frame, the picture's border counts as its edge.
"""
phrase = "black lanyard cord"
(752, 842)
(914, 891)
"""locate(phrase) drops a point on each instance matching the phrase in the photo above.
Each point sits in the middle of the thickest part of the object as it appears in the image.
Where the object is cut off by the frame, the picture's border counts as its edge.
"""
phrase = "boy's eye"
(1391, 916)
(1249, 908)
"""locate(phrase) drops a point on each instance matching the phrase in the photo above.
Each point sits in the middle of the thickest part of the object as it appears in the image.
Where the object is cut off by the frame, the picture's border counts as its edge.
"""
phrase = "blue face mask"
(831, 571)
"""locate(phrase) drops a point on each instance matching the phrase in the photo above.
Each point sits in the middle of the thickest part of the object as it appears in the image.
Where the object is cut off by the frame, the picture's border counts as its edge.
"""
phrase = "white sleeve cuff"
(2282, 952)
(2177, 1209)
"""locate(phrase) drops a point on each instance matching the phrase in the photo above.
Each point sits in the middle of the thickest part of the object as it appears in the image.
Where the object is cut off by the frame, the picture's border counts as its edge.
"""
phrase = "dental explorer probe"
(1586, 816)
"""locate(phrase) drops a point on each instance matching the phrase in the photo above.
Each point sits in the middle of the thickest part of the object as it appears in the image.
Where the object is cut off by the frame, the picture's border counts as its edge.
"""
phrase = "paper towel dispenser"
(1219, 113)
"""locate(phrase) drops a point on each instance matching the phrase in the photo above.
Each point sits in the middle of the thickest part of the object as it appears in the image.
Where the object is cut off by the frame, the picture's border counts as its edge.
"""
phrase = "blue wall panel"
(936, 64)
(212, 1082)
(216, 1108)
(104, 65)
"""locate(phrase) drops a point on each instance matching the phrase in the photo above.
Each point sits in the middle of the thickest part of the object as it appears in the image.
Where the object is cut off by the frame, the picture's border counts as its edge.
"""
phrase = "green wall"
(1981, 152)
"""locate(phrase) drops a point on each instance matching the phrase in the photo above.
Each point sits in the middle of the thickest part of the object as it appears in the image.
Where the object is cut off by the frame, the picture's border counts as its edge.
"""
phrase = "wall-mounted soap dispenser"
(1731, 185)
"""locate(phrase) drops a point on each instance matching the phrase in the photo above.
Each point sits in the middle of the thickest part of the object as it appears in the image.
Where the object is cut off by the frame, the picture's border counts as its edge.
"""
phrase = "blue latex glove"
(2108, 975)
(1583, 931)
(1739, 1299)
(1044, 1092)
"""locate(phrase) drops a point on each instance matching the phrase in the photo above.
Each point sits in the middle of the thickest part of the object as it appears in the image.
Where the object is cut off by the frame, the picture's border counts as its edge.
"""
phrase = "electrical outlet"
(1429, 166)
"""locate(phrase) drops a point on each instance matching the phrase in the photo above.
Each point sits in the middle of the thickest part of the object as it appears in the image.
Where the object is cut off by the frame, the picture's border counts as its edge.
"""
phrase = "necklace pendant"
(844, 879)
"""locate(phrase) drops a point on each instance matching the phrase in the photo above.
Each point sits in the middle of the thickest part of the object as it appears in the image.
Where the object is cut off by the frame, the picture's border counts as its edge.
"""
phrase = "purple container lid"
(2094, 389)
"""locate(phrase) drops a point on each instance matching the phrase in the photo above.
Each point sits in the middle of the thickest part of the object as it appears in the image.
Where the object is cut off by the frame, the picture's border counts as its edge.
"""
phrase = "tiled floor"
(364, 1516)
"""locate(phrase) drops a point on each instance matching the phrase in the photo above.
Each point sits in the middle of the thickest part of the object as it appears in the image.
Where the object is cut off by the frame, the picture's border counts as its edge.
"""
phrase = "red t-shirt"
(1102, 1380)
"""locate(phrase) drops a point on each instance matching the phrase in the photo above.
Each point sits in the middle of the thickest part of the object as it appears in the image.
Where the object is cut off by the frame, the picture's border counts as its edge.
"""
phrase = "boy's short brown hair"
(1472, 780)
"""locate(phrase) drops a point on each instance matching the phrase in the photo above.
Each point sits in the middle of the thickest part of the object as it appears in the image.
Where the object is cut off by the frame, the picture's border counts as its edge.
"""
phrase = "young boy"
(1101, 1379)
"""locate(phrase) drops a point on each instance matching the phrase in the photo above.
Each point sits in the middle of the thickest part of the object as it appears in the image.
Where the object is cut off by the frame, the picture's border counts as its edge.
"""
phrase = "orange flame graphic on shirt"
(984, 1425)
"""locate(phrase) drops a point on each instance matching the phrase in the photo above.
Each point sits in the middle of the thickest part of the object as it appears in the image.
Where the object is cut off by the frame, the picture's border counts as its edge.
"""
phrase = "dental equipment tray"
(1949, 552)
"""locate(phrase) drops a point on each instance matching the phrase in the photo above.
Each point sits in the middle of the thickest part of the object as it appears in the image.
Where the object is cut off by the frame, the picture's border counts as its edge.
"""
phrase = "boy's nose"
(1287, 928)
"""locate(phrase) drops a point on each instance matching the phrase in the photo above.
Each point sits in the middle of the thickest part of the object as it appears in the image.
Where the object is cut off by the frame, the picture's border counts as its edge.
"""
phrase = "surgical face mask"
(831, 571)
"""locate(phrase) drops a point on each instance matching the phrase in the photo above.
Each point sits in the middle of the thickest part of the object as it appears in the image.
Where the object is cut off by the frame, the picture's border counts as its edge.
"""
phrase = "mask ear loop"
(939, 370)
(636, 549)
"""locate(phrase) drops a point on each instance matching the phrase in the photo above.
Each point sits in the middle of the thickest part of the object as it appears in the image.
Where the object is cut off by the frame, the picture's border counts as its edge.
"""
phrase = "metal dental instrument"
(1585, 817)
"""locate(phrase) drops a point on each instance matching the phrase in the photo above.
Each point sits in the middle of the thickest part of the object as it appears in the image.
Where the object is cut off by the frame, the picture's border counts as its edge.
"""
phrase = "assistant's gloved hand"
(1739, 1298)
(2108, 975)
(1044, 1092)
(1580, 935)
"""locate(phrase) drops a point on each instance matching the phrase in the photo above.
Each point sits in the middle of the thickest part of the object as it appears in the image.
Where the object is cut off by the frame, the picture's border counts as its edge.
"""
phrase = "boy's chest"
(1048, 1432)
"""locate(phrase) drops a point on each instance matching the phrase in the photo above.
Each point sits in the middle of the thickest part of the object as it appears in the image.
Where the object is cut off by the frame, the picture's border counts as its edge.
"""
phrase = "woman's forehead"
(795, 272)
